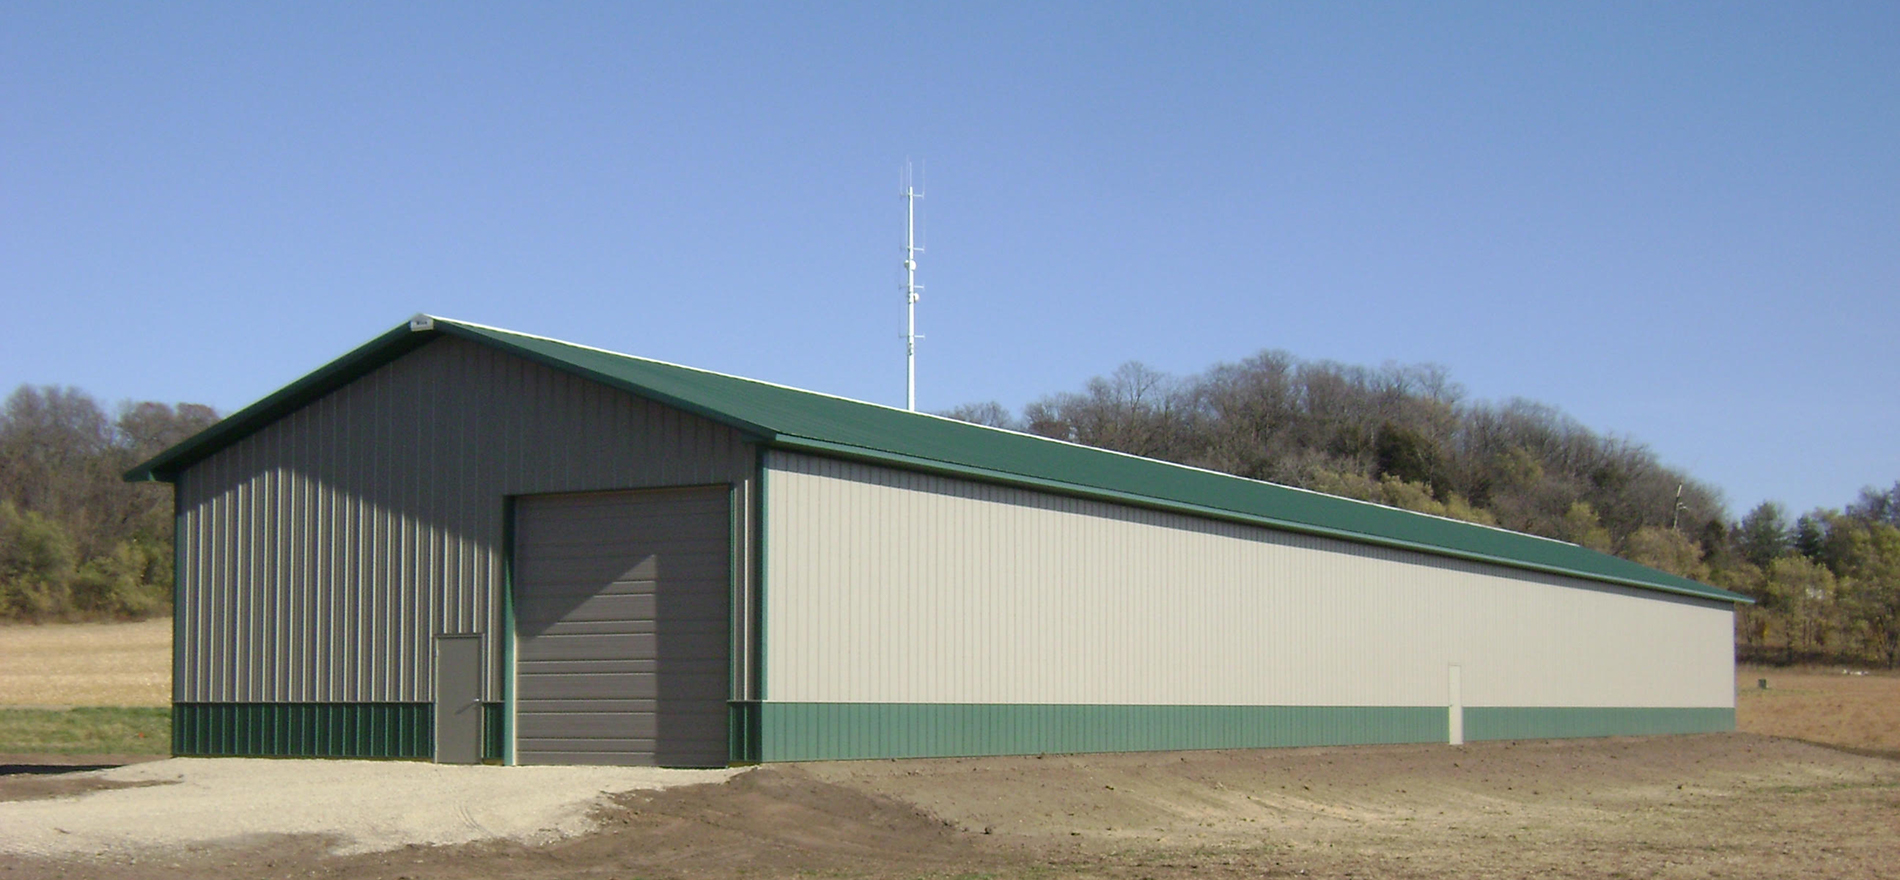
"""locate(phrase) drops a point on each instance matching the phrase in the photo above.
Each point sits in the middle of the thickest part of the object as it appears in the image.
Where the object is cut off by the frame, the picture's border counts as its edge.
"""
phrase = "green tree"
(1666, 550)
(1869, 554)
(1581, 526)
(1804, 593)
(36, 564)
(1763, 534)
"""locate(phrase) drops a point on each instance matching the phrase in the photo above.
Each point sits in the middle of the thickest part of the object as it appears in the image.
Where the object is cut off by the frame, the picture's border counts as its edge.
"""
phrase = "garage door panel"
(614, 725)
(683, 600)
(676, 630)
(622, 628)
(702, 757)
(591, 725)
(589, 665)
(583, 685)
(626, 750)
(590, 567)
(573, 590)
(638, 546)
(526, 708)
(579, 608)
(567, 646)
(605, 509)
(612, 665)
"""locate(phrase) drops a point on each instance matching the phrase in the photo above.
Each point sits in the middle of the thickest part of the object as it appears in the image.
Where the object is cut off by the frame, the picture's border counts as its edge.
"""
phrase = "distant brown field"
(1821, 704)
(86, 664)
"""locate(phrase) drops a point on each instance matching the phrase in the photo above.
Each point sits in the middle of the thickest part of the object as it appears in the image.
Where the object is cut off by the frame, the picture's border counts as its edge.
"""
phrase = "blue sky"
(1677, 222)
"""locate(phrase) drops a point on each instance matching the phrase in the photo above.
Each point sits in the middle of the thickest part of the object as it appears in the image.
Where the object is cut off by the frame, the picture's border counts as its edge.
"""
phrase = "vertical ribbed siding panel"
(319, 556)
(889, 586)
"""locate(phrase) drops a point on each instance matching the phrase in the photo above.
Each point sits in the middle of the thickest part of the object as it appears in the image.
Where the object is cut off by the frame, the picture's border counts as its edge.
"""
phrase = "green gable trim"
(1558, 722)
(165, 466)
(832, 731)
(794, 419)
(305, 730)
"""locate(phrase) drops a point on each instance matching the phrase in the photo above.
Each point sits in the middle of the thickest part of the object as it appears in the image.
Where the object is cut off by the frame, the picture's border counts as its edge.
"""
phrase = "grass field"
(86, 730)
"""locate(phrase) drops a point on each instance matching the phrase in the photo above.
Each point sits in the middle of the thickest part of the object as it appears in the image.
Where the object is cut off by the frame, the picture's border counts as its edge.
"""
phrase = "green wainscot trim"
(1556, 722)
(305, 730)
(829, 731)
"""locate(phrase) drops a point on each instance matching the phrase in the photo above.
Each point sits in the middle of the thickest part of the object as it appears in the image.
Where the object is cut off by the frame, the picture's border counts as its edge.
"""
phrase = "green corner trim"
(829, 731)
(493, 717)
(742, 730)
(504, 740)
(1557, 722)
(305, 730)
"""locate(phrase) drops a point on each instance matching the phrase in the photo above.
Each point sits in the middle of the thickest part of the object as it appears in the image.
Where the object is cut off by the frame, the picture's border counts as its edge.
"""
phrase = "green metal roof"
(790, 418)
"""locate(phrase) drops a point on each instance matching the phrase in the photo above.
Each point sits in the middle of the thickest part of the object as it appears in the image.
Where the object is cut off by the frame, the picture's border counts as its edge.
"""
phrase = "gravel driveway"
(365, 806)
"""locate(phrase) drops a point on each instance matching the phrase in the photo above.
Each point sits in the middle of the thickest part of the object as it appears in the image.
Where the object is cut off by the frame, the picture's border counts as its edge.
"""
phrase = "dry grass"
(1821, 704)
(86, 664)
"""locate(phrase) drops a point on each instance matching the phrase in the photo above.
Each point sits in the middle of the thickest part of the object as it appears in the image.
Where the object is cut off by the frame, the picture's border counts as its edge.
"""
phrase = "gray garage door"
(621, 635)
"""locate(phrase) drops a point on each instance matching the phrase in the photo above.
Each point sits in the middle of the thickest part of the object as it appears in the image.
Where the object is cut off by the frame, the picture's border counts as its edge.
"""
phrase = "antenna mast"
(911, 289)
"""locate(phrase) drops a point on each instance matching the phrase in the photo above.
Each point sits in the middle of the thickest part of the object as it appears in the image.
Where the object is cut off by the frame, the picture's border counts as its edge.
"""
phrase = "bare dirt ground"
(1726, 805)
(1739, 805)
(86, 664)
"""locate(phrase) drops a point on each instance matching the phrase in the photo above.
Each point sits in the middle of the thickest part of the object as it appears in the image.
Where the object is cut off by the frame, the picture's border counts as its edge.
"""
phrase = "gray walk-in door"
(622, 638)
(458, 699)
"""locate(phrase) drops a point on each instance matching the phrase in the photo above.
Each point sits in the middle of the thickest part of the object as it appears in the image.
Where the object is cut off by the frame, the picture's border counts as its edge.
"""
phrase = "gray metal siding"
(320, 555)
(620, 616)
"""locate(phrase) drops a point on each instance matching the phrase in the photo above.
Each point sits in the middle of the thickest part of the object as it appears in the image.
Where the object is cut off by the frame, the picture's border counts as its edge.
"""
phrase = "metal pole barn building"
(464, 543)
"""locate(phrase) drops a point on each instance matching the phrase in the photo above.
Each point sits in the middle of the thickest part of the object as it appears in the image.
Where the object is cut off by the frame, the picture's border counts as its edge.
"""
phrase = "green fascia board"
(791, 418)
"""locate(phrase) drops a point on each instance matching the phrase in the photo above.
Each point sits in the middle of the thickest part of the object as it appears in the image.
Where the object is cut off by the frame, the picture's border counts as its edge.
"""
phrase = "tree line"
(1827, 583)
(76, 541)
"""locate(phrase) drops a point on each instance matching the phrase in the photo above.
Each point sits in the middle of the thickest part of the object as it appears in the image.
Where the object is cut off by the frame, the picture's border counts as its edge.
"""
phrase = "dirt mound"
(781, 819)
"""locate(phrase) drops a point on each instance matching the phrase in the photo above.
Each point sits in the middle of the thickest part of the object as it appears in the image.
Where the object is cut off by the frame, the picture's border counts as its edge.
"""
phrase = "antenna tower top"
(912, 290)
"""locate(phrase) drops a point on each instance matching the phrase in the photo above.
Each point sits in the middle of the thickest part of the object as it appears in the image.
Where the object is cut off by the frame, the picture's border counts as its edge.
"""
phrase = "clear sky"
(1678, 222)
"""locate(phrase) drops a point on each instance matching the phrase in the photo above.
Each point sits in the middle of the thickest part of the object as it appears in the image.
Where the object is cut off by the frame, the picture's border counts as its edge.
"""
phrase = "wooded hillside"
(1828, 583)
(75, 540)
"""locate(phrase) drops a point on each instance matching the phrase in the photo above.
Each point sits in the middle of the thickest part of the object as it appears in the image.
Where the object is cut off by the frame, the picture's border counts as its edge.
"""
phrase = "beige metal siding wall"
(886, 586)
(321, 554)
